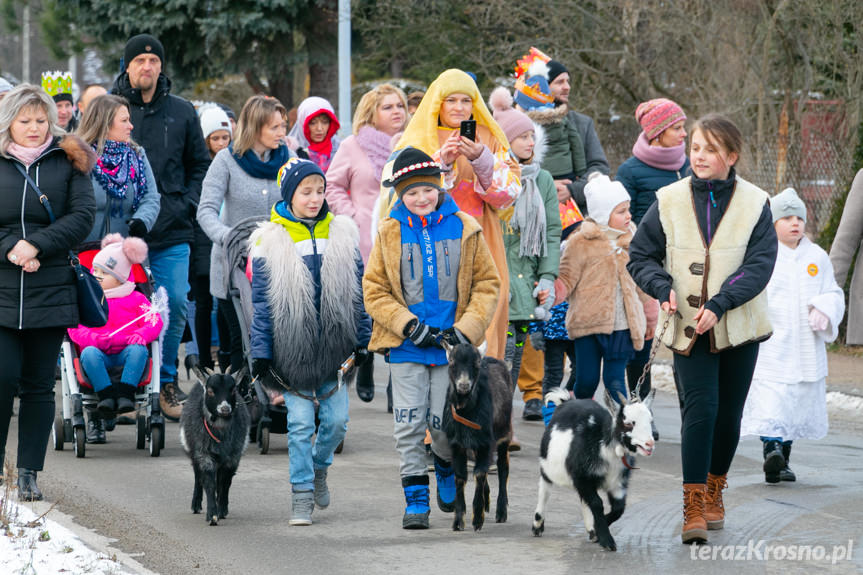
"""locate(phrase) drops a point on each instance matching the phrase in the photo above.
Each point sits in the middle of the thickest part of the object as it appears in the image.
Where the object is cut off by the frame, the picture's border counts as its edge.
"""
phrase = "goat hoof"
(500, 516)
(591, 535)
(214, 520)
(458, 525)
(196, 510)
(538, 529)
(608, 543)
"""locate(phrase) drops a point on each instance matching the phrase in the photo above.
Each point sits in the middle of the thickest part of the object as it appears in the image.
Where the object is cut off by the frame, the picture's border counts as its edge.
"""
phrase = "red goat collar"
(626, 463)
(207, 427)
(462, 420)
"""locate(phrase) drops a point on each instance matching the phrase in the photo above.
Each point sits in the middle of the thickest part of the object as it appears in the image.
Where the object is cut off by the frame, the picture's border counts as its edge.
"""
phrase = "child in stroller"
(122, 342)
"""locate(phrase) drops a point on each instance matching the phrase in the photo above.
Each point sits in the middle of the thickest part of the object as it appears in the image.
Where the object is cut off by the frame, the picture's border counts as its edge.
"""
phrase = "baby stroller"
(266, 418)
(78, 394)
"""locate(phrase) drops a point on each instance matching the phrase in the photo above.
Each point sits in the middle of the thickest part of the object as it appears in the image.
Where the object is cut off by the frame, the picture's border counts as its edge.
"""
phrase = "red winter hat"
(656, 116)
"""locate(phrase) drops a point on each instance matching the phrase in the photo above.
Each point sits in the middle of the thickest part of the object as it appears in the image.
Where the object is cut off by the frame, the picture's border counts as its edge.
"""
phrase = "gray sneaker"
(322, 493)
(302, 505)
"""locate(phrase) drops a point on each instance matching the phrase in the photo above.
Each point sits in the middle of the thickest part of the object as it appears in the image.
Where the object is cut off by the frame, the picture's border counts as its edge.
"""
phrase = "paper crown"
(525, 61)
(57, 82)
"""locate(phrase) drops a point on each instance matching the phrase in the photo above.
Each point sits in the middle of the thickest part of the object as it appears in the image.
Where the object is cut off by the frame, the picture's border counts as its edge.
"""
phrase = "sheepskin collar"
(590, 230)
(549, 115)
(81, 155)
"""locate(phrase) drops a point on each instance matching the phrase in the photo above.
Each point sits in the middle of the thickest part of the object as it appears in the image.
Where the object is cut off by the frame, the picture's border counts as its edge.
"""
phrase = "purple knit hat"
(656, 116)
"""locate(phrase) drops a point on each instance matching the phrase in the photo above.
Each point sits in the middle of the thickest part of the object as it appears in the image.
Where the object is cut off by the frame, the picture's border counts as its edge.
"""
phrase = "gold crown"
(57, 82)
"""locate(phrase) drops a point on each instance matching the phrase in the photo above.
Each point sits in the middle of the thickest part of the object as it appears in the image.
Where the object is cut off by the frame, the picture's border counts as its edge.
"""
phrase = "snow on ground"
(35, 545)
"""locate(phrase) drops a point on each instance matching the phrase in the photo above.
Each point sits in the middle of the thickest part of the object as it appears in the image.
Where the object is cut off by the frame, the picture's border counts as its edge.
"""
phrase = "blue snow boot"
(547, 412)
(416, 502)
(445, 477)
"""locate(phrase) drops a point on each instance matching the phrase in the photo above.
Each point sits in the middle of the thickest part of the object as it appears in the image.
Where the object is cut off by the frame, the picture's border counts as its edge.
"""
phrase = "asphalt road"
(144, 503)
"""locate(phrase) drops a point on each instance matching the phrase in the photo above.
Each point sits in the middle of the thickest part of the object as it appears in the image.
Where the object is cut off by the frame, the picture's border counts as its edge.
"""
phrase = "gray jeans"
(419, 396)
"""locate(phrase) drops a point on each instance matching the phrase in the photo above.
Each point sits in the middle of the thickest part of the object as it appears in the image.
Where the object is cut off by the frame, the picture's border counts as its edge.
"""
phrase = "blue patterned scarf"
(117, 167)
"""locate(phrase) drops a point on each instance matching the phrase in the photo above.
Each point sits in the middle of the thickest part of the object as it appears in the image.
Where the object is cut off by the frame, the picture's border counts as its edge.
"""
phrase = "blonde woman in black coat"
(38, 298)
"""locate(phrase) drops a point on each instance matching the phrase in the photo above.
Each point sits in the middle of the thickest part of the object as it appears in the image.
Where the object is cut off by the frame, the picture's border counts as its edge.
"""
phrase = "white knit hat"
(603, 196)
(214, 118)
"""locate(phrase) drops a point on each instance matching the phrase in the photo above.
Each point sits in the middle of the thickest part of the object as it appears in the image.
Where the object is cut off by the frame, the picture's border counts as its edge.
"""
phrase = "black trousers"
(203, 319)
(229, 313)
(715, 386)
(555, 352)
(28, 357)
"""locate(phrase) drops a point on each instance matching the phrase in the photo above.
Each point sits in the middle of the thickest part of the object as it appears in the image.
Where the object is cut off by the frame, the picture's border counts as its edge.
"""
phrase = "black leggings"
(715, 386)
(203, 319)
(28, 357)
(555, 351)
(229, 313)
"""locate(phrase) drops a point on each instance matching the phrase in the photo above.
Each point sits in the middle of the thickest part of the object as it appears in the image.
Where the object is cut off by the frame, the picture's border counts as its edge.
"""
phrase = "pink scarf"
(27, 155)
(376, 145)
(671, 159)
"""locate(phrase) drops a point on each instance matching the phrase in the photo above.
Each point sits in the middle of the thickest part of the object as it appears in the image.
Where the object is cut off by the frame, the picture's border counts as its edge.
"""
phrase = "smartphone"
(468, 129)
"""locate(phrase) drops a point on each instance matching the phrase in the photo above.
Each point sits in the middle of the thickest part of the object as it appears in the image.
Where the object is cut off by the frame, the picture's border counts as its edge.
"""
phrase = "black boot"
(95, 429)
(27, 488)
(774, 461)
(366, 379)
(191, 361)
(785, 474)
(125, 397)
(107, 402)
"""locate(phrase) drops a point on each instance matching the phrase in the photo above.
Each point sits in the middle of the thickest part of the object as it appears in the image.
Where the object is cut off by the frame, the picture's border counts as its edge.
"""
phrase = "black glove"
(137, 228)
(421, 334)
(260, 366)
(361, 356)
(453, 336)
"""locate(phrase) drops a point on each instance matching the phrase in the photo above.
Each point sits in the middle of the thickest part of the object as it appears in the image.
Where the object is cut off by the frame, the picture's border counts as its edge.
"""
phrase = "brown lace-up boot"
(714, 511)
(168, 402)
(694, 524)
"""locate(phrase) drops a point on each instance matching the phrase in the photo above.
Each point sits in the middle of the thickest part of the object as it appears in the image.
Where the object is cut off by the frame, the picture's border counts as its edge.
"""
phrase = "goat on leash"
(478, 416)
(591, 447)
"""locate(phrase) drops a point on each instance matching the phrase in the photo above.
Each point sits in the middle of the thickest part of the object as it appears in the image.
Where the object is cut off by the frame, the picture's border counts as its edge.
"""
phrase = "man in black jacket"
(167, 127)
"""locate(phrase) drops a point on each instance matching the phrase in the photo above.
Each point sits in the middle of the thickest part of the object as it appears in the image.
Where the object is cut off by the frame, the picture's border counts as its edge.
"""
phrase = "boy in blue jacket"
(306, 266)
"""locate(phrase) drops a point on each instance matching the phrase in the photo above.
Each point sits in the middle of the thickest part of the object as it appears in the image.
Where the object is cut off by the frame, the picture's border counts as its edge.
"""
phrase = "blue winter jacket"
(642, 181)
(431, 253)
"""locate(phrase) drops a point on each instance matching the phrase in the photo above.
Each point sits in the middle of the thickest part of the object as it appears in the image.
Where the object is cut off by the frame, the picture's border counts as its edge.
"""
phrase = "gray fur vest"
(310, 344)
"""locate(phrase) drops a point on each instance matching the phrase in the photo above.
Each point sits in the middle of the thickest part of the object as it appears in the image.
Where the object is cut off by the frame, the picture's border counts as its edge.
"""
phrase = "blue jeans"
(305, 457)
(170, 268)
(588, 358)
(96, 362)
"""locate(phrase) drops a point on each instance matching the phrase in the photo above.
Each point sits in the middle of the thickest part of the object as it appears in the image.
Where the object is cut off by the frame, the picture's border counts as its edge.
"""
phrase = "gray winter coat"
(147, 212)
(228, 196)
(845, 244)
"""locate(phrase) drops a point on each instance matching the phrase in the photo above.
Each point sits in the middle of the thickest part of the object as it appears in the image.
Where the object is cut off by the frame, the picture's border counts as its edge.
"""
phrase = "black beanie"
(63, 96)
(142, 44)
(555, 69)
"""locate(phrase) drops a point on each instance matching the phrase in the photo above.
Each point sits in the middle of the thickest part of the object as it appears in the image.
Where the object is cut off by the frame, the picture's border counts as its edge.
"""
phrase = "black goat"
(214, 431)
(589, 447)
(477, 416)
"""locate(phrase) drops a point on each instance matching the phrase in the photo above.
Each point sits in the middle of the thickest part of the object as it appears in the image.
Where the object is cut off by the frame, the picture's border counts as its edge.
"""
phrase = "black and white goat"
(478, 416)
(590, 447)
(214, 432)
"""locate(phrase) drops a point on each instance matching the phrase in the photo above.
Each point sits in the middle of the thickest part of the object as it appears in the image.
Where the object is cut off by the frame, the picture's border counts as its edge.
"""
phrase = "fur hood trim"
(590, 230)
(81, 155)
(549, 116)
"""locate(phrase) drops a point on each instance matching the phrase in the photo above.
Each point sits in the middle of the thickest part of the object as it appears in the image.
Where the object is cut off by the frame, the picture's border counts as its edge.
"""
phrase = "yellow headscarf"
(422, 133)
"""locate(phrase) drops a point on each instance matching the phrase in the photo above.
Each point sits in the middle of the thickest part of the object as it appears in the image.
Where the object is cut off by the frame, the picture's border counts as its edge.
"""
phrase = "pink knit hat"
(513, 122)
(117, 256)
(656, 116)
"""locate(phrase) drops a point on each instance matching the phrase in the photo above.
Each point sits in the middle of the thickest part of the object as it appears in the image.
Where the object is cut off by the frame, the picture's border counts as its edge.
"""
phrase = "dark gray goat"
(214, 431)
(477, 416)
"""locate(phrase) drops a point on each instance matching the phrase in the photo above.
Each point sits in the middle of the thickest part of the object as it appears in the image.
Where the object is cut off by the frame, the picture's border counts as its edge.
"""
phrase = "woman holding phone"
(480, 174)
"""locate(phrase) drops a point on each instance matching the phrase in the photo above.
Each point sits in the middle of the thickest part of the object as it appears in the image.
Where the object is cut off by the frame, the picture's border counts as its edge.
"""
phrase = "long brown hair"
(98, 119)
(255, 114)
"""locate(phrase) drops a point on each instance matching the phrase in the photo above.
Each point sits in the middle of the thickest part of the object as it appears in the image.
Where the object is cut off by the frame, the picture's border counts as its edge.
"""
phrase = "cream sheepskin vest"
(699, 270)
